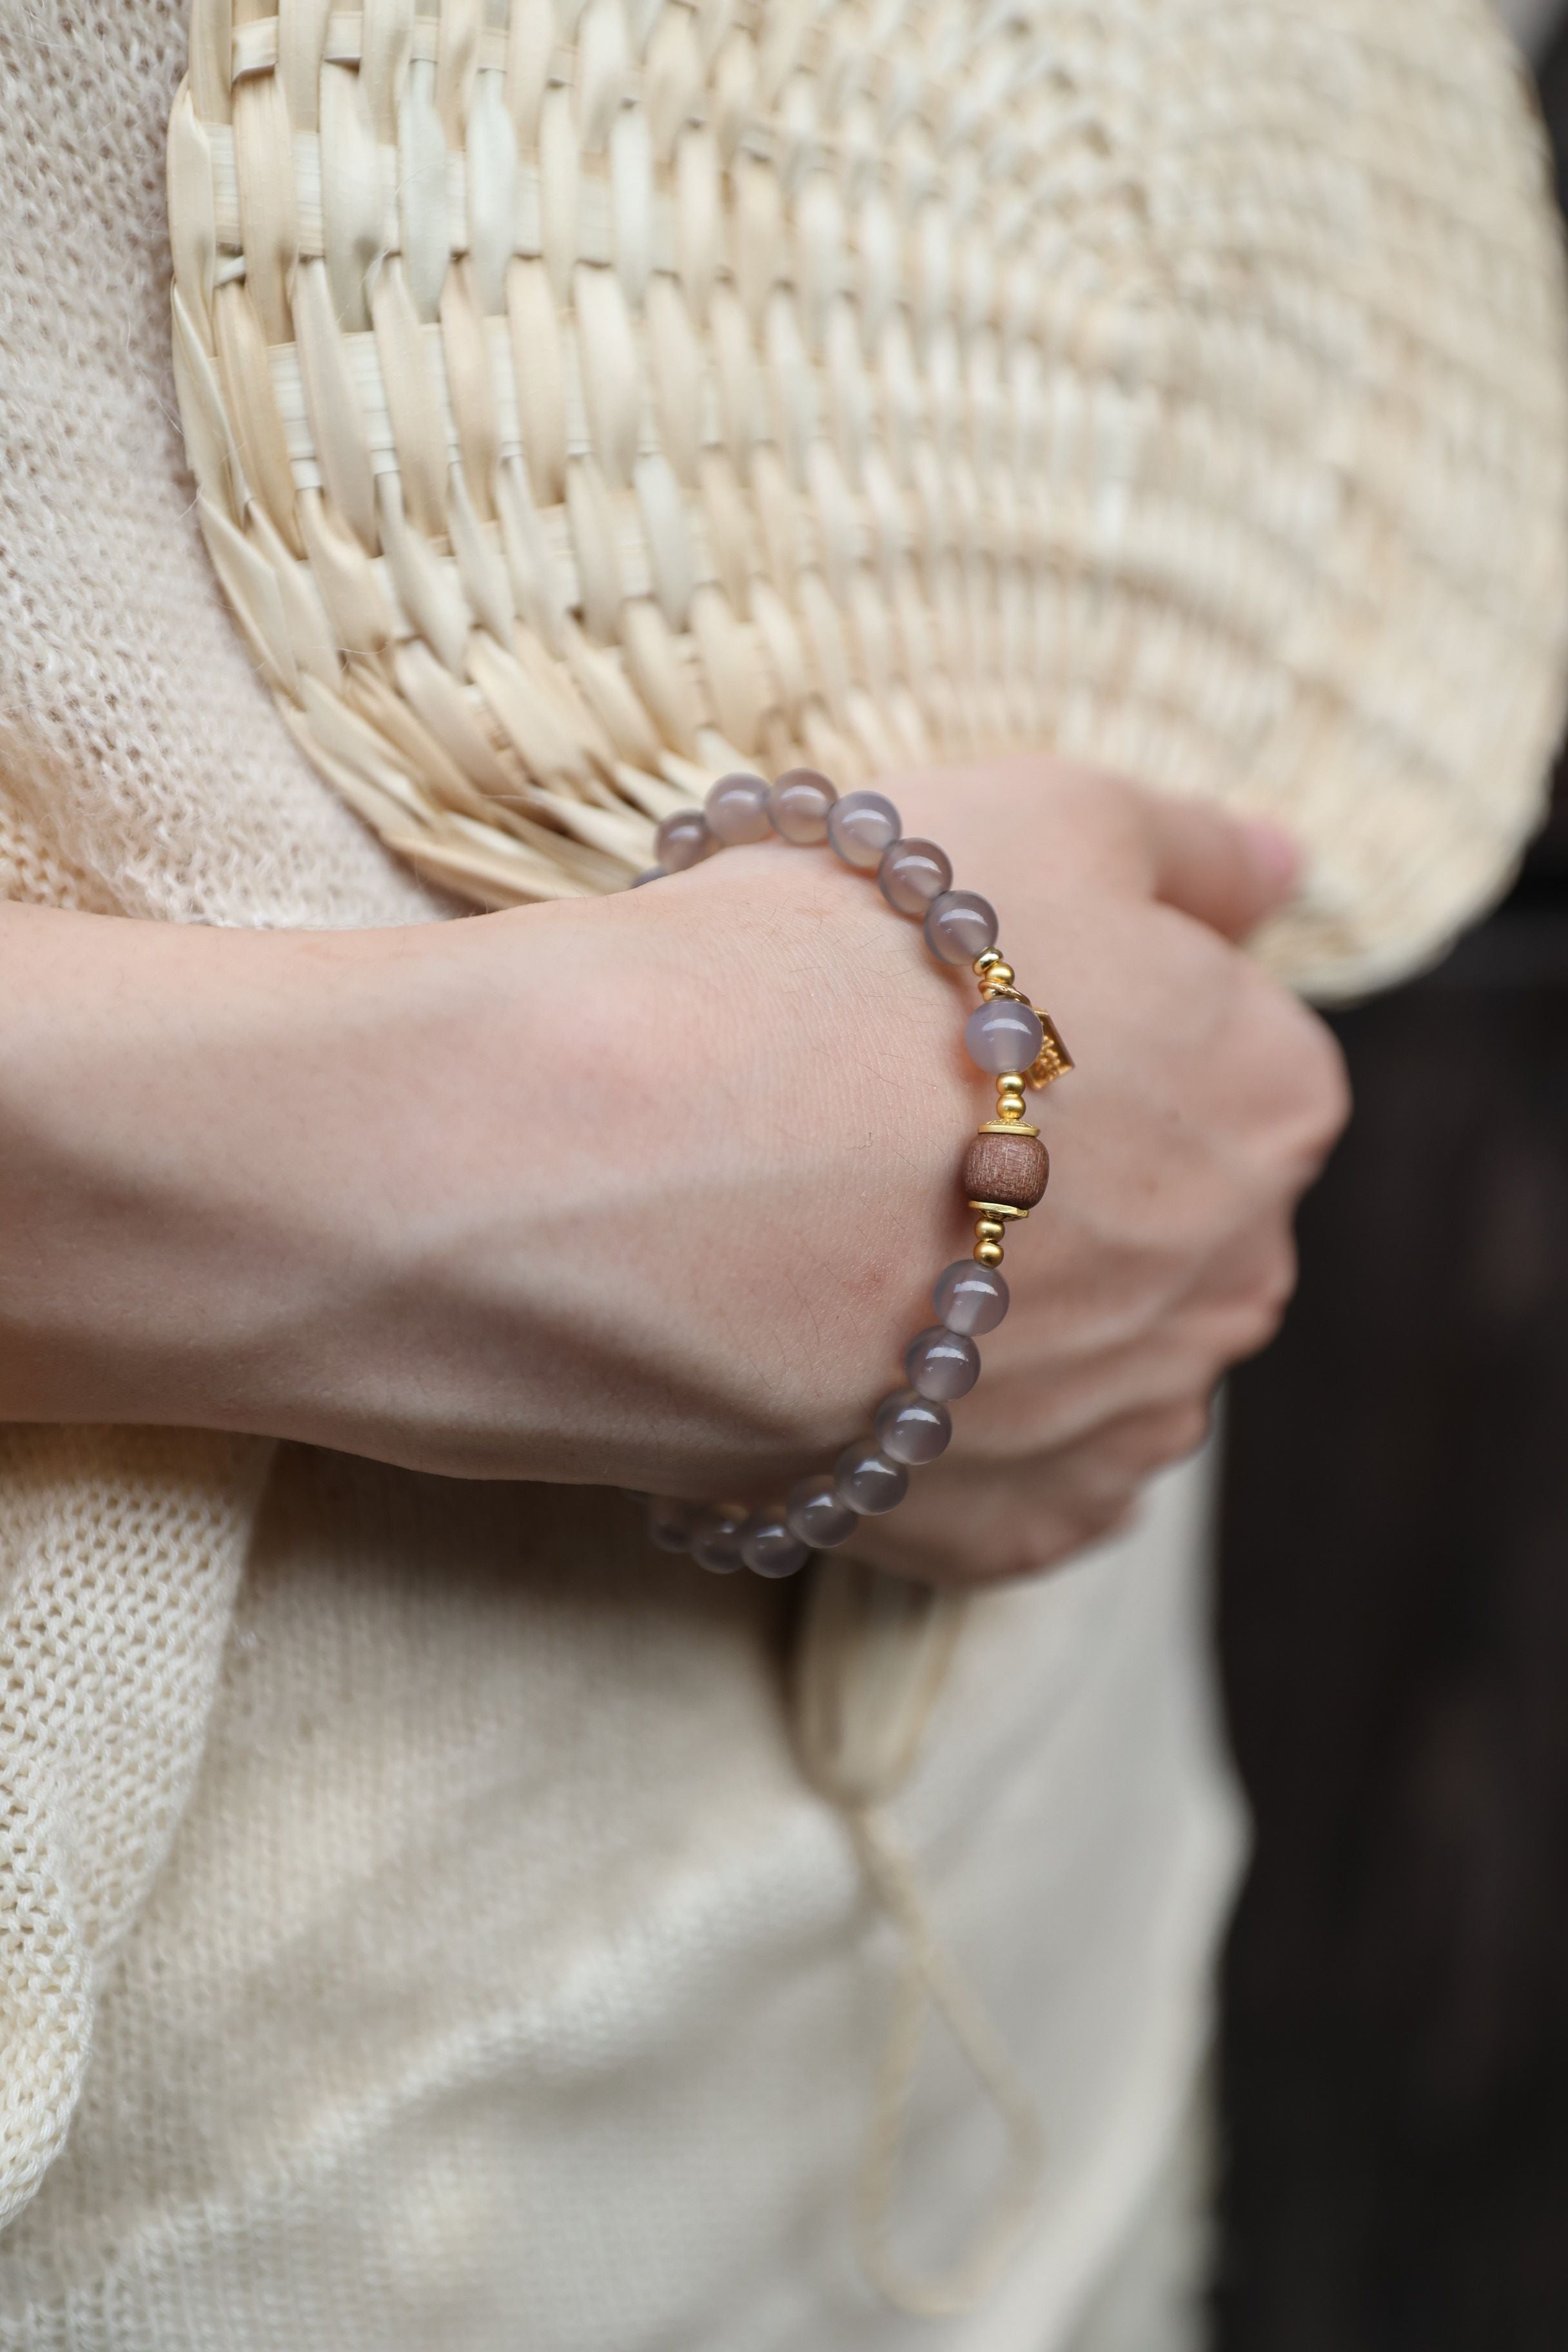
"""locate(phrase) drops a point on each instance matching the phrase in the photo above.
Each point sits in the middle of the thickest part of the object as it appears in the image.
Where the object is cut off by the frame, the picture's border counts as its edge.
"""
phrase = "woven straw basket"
(585, 399)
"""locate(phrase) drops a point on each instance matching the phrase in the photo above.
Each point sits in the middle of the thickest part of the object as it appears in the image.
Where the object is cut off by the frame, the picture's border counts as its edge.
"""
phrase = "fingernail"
(1274, 852)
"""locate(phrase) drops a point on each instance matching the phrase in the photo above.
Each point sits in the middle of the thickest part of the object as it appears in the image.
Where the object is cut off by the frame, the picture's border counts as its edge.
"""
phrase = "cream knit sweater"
(414, 1927)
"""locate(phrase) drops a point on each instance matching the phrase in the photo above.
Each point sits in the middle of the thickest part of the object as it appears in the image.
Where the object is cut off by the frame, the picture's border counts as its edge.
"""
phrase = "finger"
(1227, 872)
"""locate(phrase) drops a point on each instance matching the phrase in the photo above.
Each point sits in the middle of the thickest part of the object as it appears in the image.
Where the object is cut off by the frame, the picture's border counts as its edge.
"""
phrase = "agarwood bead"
(1011, 1169)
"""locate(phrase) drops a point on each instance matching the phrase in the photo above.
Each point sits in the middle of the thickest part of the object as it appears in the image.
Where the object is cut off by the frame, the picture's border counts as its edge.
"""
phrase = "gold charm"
(1052, 1060)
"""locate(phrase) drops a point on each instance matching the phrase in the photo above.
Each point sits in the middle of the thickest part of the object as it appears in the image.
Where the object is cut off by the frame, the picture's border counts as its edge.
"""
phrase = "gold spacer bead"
(982, 964)
(987, 1253)
(989, 1229)
(999, 975)
(1010, 1108)
(1011, 1082)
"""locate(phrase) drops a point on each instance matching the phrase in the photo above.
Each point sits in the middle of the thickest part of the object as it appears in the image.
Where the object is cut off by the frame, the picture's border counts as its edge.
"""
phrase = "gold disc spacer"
(1011, 1124)
(1003, 1209)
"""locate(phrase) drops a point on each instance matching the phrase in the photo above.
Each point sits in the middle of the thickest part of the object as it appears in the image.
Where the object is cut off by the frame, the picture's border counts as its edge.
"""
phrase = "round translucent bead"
(912, 1428)
(671, 1523)
(942, 1364)
(799, 804)
(1002, 1035)
(648, 874)
(716, 1538)
(960, 926)
(768, 1547)
(681, 840)
(969, 1298)
(862, 826)
(816, 1514)
(865, 1479)
(737, 810)
(914, 873)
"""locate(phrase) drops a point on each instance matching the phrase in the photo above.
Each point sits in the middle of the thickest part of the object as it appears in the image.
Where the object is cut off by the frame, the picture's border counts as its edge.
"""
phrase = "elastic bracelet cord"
(1004, 1175)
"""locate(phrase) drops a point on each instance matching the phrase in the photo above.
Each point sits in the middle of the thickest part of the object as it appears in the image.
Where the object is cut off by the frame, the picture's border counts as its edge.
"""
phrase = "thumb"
(1226, 871)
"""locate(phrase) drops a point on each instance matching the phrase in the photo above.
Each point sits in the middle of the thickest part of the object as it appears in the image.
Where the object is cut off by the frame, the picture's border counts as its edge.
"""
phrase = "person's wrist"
(792, 1050)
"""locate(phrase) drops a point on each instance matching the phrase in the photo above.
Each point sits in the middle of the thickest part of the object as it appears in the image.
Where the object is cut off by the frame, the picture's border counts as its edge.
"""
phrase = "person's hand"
(1204, 1102)
(652, 1191)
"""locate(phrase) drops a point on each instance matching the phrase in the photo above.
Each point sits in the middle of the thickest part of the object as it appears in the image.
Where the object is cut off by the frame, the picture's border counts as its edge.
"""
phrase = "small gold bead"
(987, 1253)
(1000, 975)
(982, 964)
(989, 1229)
(1010, 1108)
(1010, 1088)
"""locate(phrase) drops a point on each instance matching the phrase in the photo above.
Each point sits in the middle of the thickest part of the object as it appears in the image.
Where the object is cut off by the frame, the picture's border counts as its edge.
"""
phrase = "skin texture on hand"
(652, 1191)
(1204, 1102)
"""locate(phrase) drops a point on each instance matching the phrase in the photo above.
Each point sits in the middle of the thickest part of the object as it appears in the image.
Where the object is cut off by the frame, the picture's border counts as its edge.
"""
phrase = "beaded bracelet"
(1004, 1176)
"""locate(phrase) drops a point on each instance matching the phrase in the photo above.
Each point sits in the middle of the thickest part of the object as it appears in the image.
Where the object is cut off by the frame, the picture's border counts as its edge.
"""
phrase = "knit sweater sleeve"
(143, 771)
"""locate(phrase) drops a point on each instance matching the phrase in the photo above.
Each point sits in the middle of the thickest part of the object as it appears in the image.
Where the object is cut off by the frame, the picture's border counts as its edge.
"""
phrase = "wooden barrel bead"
(1013, 1169)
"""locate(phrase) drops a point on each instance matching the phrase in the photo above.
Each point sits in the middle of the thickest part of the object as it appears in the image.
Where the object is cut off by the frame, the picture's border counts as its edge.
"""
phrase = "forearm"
(651, 1191)
(158, 1125)
(547, 1194)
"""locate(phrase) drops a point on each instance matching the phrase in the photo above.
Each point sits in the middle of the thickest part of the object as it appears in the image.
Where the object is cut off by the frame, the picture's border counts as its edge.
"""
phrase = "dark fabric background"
(1394, 1643)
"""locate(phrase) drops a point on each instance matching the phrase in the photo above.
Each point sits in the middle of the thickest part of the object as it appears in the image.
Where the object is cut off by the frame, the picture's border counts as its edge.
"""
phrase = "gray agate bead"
(682, 840)
(960, 926)
(912, 1428)
(800, 803)
(942, 1364)
(671, 1523)
(865, 1479)
(737, 810)
(861, 827)
(716, 1538)
(816, 1514)
(914, 873)
(1002, 1035)
(969, 1298)
(767, 1546)
(648, 874)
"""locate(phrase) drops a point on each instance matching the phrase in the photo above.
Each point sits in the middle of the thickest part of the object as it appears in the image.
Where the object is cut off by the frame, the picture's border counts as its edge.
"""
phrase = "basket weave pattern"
(583, 399)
